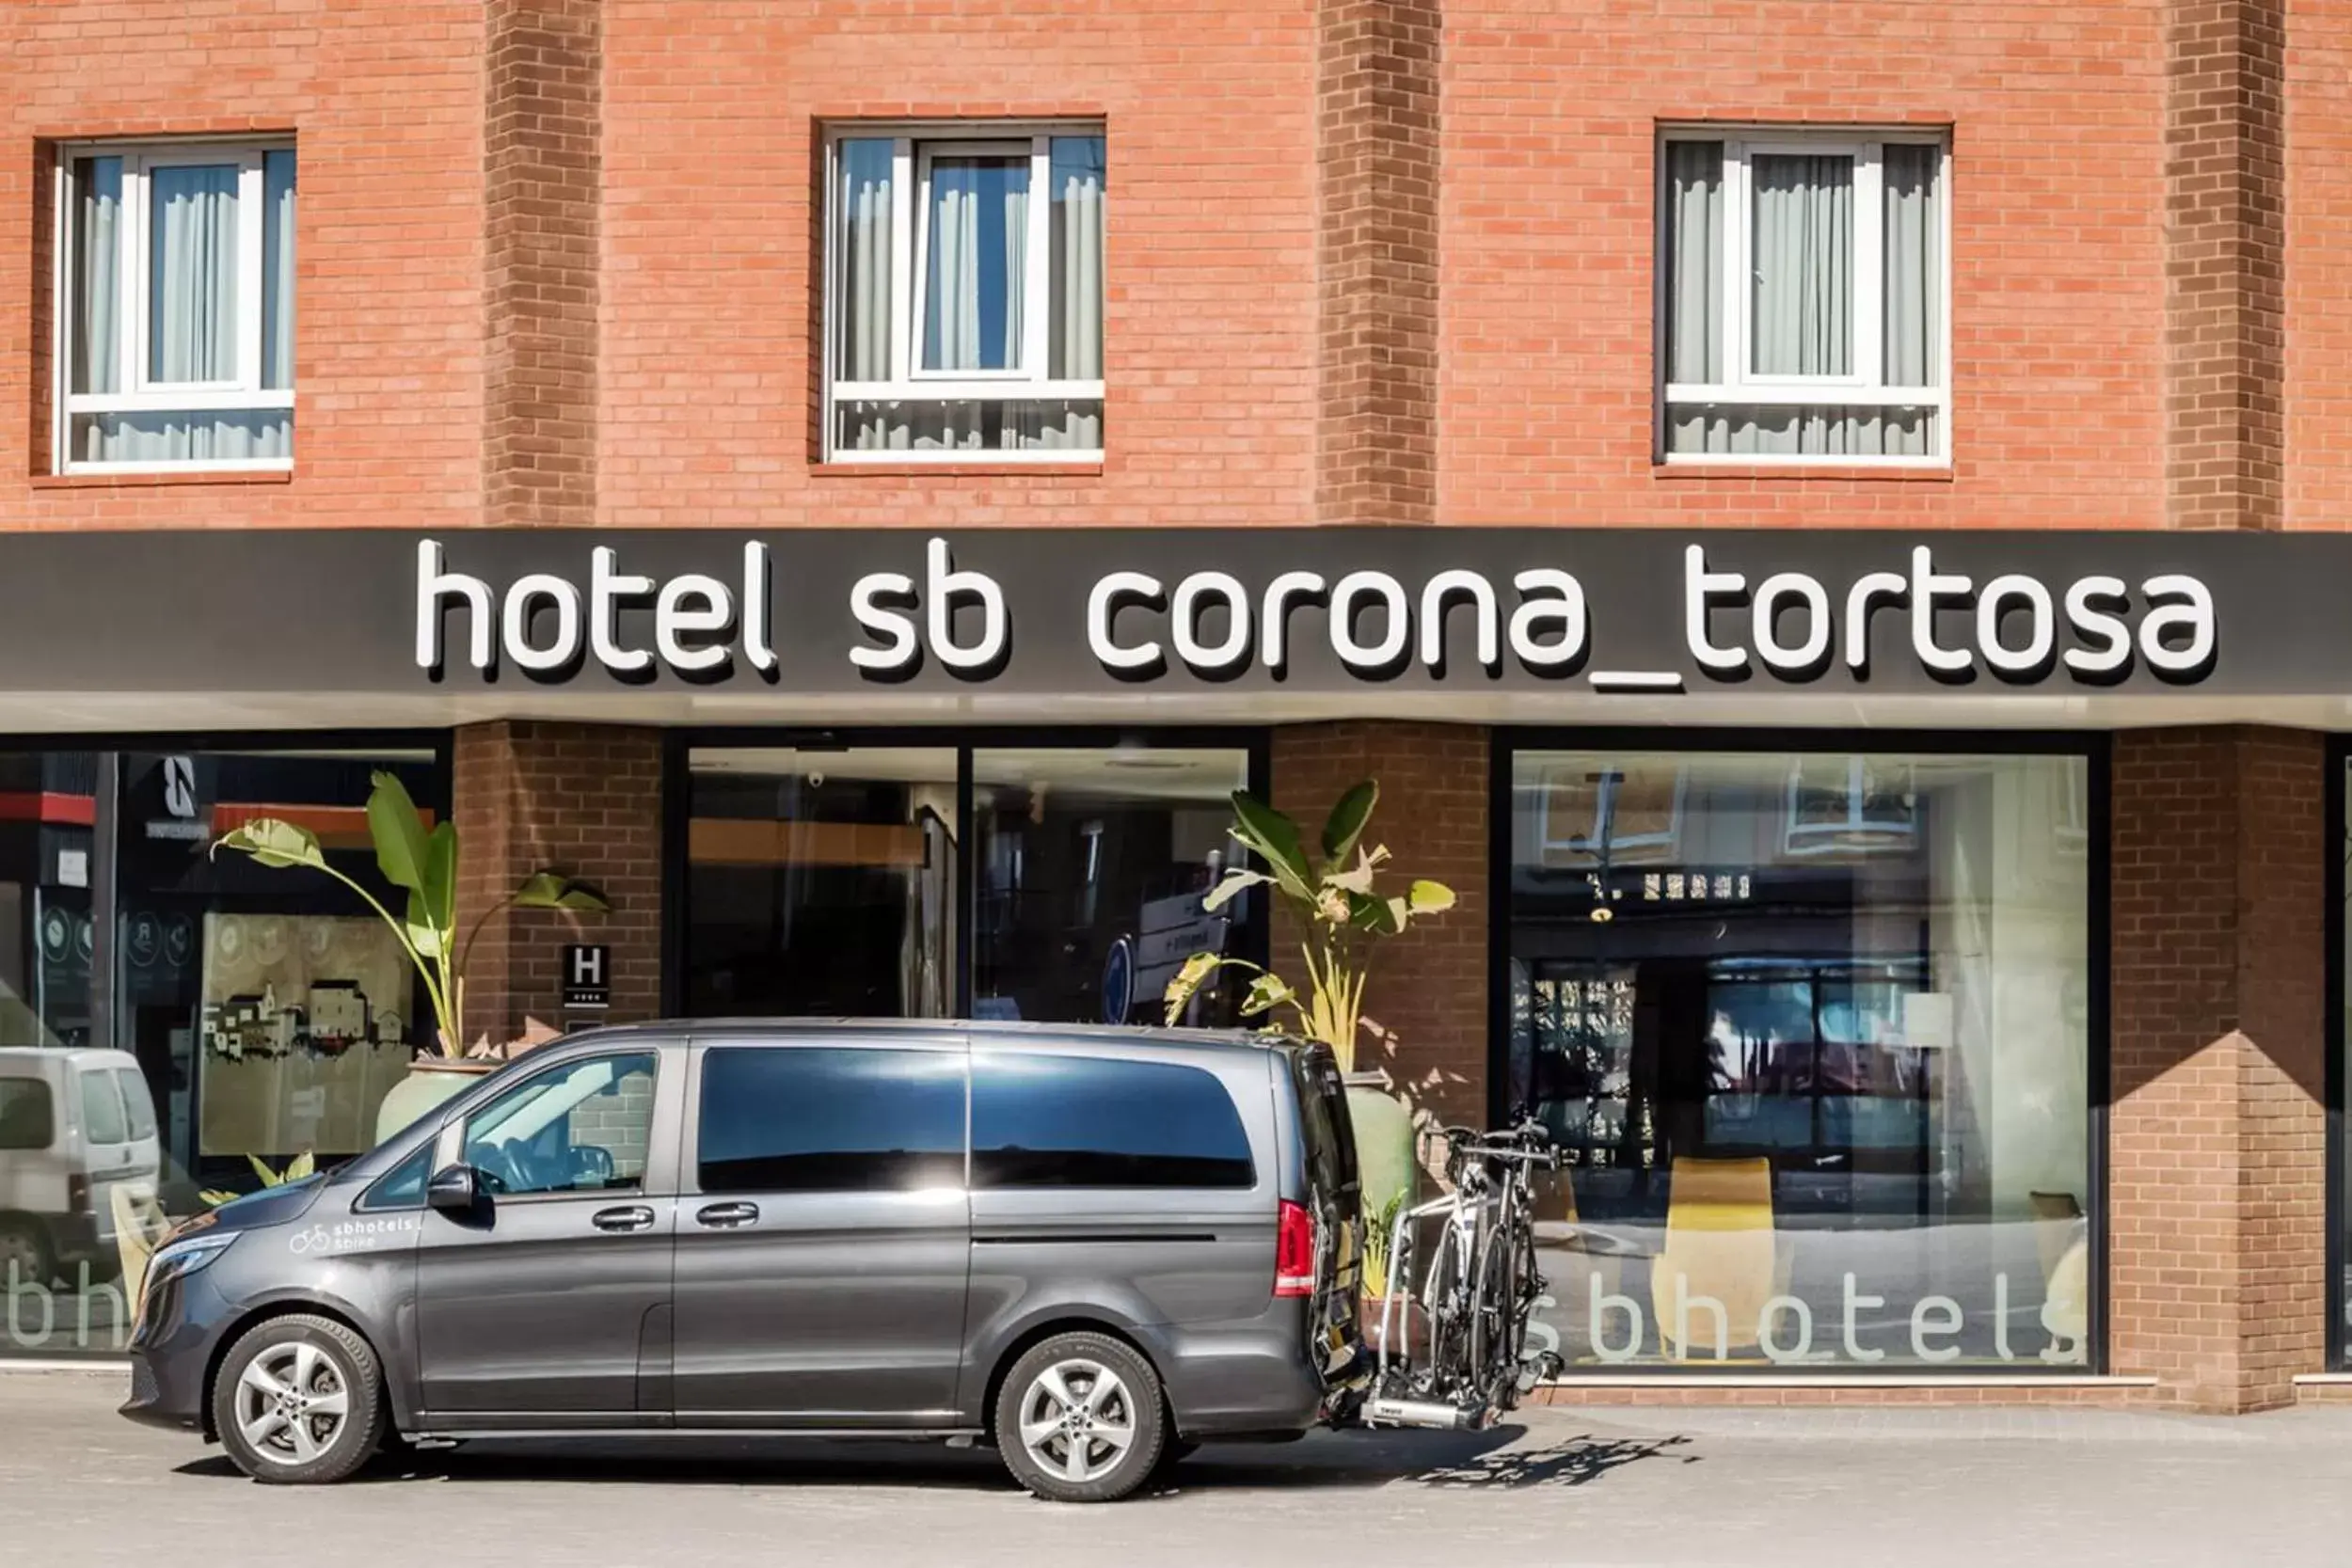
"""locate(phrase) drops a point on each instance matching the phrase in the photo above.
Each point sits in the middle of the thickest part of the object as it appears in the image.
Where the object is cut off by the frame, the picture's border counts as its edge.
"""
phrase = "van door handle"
(725, 1216)
(635, 1217)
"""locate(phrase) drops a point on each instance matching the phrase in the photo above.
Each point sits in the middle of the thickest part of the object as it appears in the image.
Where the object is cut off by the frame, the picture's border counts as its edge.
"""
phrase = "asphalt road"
(1658, 1488)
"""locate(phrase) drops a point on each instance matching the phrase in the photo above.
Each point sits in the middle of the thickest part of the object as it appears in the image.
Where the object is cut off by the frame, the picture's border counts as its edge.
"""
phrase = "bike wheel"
(1451, 1302)
(1499, 1322)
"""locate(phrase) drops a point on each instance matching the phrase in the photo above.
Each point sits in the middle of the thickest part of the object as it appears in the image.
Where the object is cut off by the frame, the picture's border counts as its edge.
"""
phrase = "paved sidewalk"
(1659, 1489)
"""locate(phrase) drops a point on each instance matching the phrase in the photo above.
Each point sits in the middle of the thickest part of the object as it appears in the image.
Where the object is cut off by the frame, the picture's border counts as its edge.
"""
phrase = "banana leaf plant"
(1339, 905)
(297, 1168)
(422, 864)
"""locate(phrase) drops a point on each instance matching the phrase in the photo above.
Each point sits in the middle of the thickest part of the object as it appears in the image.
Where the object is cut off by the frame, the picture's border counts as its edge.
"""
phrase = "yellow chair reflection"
(2064, 1243)
(1722, 1262)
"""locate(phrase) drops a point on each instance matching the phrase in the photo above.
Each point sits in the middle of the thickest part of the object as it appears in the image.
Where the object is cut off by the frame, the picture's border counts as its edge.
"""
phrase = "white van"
(73, 1125)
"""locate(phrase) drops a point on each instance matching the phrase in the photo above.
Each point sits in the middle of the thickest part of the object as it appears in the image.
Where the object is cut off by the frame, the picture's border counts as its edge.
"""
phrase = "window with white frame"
(176, 322)
(964, 298)
(1803, 297)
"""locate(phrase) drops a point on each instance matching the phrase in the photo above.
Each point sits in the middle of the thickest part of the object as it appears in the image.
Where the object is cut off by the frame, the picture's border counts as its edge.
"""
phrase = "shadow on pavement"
(1484, 1460)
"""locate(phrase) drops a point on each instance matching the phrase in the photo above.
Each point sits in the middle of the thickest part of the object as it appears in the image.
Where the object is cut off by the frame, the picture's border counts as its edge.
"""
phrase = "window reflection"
(821, 883)
(1810, 1031)
(1091, 865)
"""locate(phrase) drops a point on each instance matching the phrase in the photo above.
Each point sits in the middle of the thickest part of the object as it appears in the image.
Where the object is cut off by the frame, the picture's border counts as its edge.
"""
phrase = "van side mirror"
(453, 1190)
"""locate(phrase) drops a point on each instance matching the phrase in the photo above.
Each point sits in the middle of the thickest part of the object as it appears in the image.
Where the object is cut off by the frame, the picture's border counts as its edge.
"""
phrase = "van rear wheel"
(1081, 1419)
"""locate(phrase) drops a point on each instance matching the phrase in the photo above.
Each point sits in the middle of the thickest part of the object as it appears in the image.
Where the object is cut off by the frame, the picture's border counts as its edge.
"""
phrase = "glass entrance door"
(820, 883)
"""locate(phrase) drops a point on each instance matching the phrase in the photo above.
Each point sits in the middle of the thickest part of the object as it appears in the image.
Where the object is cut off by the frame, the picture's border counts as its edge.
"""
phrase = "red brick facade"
(2215, 1137)
(1388, 261)
(581, 800)
(1429, 991)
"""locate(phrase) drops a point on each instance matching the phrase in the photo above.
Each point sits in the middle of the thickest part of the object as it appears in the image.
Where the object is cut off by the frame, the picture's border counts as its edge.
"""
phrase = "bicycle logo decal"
(353, 1235)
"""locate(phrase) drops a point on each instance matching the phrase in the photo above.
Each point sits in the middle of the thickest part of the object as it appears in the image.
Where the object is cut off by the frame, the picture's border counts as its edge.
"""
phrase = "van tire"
(1136, 1406)
(342, 1365)
(25, 1243)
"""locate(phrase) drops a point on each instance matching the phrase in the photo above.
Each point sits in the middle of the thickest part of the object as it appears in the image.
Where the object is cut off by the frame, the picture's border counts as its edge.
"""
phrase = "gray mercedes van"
(1092, 1249)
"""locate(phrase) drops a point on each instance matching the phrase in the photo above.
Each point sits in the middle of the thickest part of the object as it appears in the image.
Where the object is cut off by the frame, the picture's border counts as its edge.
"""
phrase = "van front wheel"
(299, 1401)
(1081, 1419)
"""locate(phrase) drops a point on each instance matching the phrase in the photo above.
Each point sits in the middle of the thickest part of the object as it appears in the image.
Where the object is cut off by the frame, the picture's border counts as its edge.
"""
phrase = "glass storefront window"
(820, 883)
(1814, 1033)
(1091, 865)
(48, 809)
(269, 1009)
(847, 881)
(163, 1025)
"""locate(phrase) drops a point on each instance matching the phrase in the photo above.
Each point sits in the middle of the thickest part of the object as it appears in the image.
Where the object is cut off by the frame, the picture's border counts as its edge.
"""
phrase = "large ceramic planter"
(431, 1080)
(1384, 1142)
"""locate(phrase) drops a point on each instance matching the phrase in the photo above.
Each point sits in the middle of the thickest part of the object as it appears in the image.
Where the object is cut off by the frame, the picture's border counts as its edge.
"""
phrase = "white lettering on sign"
(1216, 623)
(545, 625)
(2015, 621)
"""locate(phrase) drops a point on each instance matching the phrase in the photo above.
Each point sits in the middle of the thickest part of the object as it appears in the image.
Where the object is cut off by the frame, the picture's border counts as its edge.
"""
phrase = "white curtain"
(192, 273)
(1914, 316)
(1802, 265)
(868, 204)
(1694, 262)
(976, 305)
(97, 307)
(277, 270)
(1801, 300)
(978, 206)
(182, 437)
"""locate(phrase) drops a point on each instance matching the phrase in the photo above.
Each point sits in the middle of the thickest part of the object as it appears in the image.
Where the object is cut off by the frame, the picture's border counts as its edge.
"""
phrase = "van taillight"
(1294, 1252)
(77, 1193)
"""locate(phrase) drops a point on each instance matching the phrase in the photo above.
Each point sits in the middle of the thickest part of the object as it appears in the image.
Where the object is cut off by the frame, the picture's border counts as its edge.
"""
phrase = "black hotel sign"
(587, 978)
(1119, 611)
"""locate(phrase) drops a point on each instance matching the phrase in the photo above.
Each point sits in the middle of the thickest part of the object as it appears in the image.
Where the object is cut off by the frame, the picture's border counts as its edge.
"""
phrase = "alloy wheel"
(292, 1403)
(1077, 1419)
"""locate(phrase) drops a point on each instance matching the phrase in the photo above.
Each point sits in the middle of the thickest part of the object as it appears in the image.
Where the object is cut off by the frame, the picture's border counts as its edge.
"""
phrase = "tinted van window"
(1083, 1121)
(822, 1121)
(26, 1120)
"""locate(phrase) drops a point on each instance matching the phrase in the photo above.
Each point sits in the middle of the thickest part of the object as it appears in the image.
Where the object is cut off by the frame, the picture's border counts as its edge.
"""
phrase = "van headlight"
(180, 1259)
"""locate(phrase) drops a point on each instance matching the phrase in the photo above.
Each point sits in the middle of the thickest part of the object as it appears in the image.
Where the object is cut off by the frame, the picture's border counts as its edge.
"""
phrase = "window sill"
(1075, 468)
(162, 477)
(1845, 473)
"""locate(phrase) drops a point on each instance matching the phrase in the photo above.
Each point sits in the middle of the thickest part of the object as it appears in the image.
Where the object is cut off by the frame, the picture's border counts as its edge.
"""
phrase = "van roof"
(719, 1030)
(82, 1055)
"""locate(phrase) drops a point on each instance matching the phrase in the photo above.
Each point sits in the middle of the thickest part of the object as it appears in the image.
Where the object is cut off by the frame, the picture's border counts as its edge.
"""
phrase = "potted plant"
(422, 864)
(1343, 916)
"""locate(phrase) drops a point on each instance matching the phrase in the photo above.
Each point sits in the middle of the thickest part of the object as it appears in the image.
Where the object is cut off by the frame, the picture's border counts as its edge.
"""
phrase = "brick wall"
(2225, 252)
(1376, 259)
(584, 799)
(713, 111)
(385, 100)
(541, 199)
(2216, 1206)
(1429, 986)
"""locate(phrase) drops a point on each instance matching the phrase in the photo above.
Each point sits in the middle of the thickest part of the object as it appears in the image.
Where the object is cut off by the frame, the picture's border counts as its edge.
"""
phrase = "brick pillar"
(541, 194)
(1376, 259)
(2225, 271)
(1430, 983)
(2217, 1184)
(584, 799)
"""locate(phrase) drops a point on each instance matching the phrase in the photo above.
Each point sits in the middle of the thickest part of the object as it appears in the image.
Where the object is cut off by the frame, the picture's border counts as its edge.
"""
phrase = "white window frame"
(914, 150)
(1860, 392)
(144, 394)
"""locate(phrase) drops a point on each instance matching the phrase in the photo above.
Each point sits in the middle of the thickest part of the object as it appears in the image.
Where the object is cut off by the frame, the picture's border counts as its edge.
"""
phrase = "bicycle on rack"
(1477, 1293)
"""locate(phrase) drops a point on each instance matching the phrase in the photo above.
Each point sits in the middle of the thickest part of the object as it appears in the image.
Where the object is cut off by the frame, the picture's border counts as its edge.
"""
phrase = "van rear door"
(1334, 1195)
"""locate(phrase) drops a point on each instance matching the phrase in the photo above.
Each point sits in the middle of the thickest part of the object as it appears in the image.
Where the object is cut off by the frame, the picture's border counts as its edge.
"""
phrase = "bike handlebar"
(1529, 1142)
